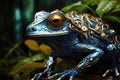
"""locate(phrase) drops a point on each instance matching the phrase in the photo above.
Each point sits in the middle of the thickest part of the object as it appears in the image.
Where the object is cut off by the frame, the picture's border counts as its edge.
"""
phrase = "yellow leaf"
(45, 48)
(32, 44)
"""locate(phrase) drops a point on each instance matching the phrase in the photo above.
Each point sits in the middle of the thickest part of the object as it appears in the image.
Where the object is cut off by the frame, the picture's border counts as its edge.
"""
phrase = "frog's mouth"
(42, 34)
(37, 31)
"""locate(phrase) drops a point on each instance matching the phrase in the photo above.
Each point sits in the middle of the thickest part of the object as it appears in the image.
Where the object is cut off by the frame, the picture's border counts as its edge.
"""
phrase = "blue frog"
(75, 36)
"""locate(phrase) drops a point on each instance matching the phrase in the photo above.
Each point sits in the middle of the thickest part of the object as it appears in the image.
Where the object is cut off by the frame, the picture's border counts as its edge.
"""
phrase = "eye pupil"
(56, 20)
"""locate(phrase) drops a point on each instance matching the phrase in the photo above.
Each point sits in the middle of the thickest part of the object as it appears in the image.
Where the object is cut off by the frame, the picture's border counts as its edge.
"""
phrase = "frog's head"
(49, 24)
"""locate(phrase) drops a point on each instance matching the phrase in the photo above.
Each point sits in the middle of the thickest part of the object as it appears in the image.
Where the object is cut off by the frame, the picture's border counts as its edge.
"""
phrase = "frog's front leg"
(48, 70)
(114, 71)
(92, 58)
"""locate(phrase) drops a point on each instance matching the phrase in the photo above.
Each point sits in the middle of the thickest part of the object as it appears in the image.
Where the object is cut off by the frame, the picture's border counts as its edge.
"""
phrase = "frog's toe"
(40, 76)
(37, 76)
(56, 75)
(69, 74)
(63, 76)
(113, 71)
(72, 76)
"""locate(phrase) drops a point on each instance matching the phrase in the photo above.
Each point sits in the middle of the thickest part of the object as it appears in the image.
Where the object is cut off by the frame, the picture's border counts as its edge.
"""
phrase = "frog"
(75, 36)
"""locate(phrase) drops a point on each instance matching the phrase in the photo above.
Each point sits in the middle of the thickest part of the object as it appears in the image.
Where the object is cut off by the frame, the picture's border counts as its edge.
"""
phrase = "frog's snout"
(30, 28)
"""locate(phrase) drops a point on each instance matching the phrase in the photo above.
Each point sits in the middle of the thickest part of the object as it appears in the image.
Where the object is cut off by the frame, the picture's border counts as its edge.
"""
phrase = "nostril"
(32, 29)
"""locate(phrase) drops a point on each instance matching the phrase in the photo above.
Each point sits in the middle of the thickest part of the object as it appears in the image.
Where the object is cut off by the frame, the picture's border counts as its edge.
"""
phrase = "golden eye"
(56, 20)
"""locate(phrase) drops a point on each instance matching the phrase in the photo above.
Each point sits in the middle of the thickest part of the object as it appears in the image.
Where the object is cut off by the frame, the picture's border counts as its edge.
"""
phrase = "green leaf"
(82, 7)
(67, 8)
(87, 2)
(77, 7)
(105, 6)
(91, 2)
(25, 62)
(114, 18)
(117, 8)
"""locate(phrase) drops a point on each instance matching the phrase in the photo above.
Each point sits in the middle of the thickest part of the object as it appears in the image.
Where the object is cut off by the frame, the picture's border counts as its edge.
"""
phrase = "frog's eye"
(56, 20)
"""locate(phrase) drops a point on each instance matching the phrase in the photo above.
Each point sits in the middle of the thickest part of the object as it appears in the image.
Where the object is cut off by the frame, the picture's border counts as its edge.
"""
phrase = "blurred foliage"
(38, 60)
(27, 63)
(21, 60)
(102, 8)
